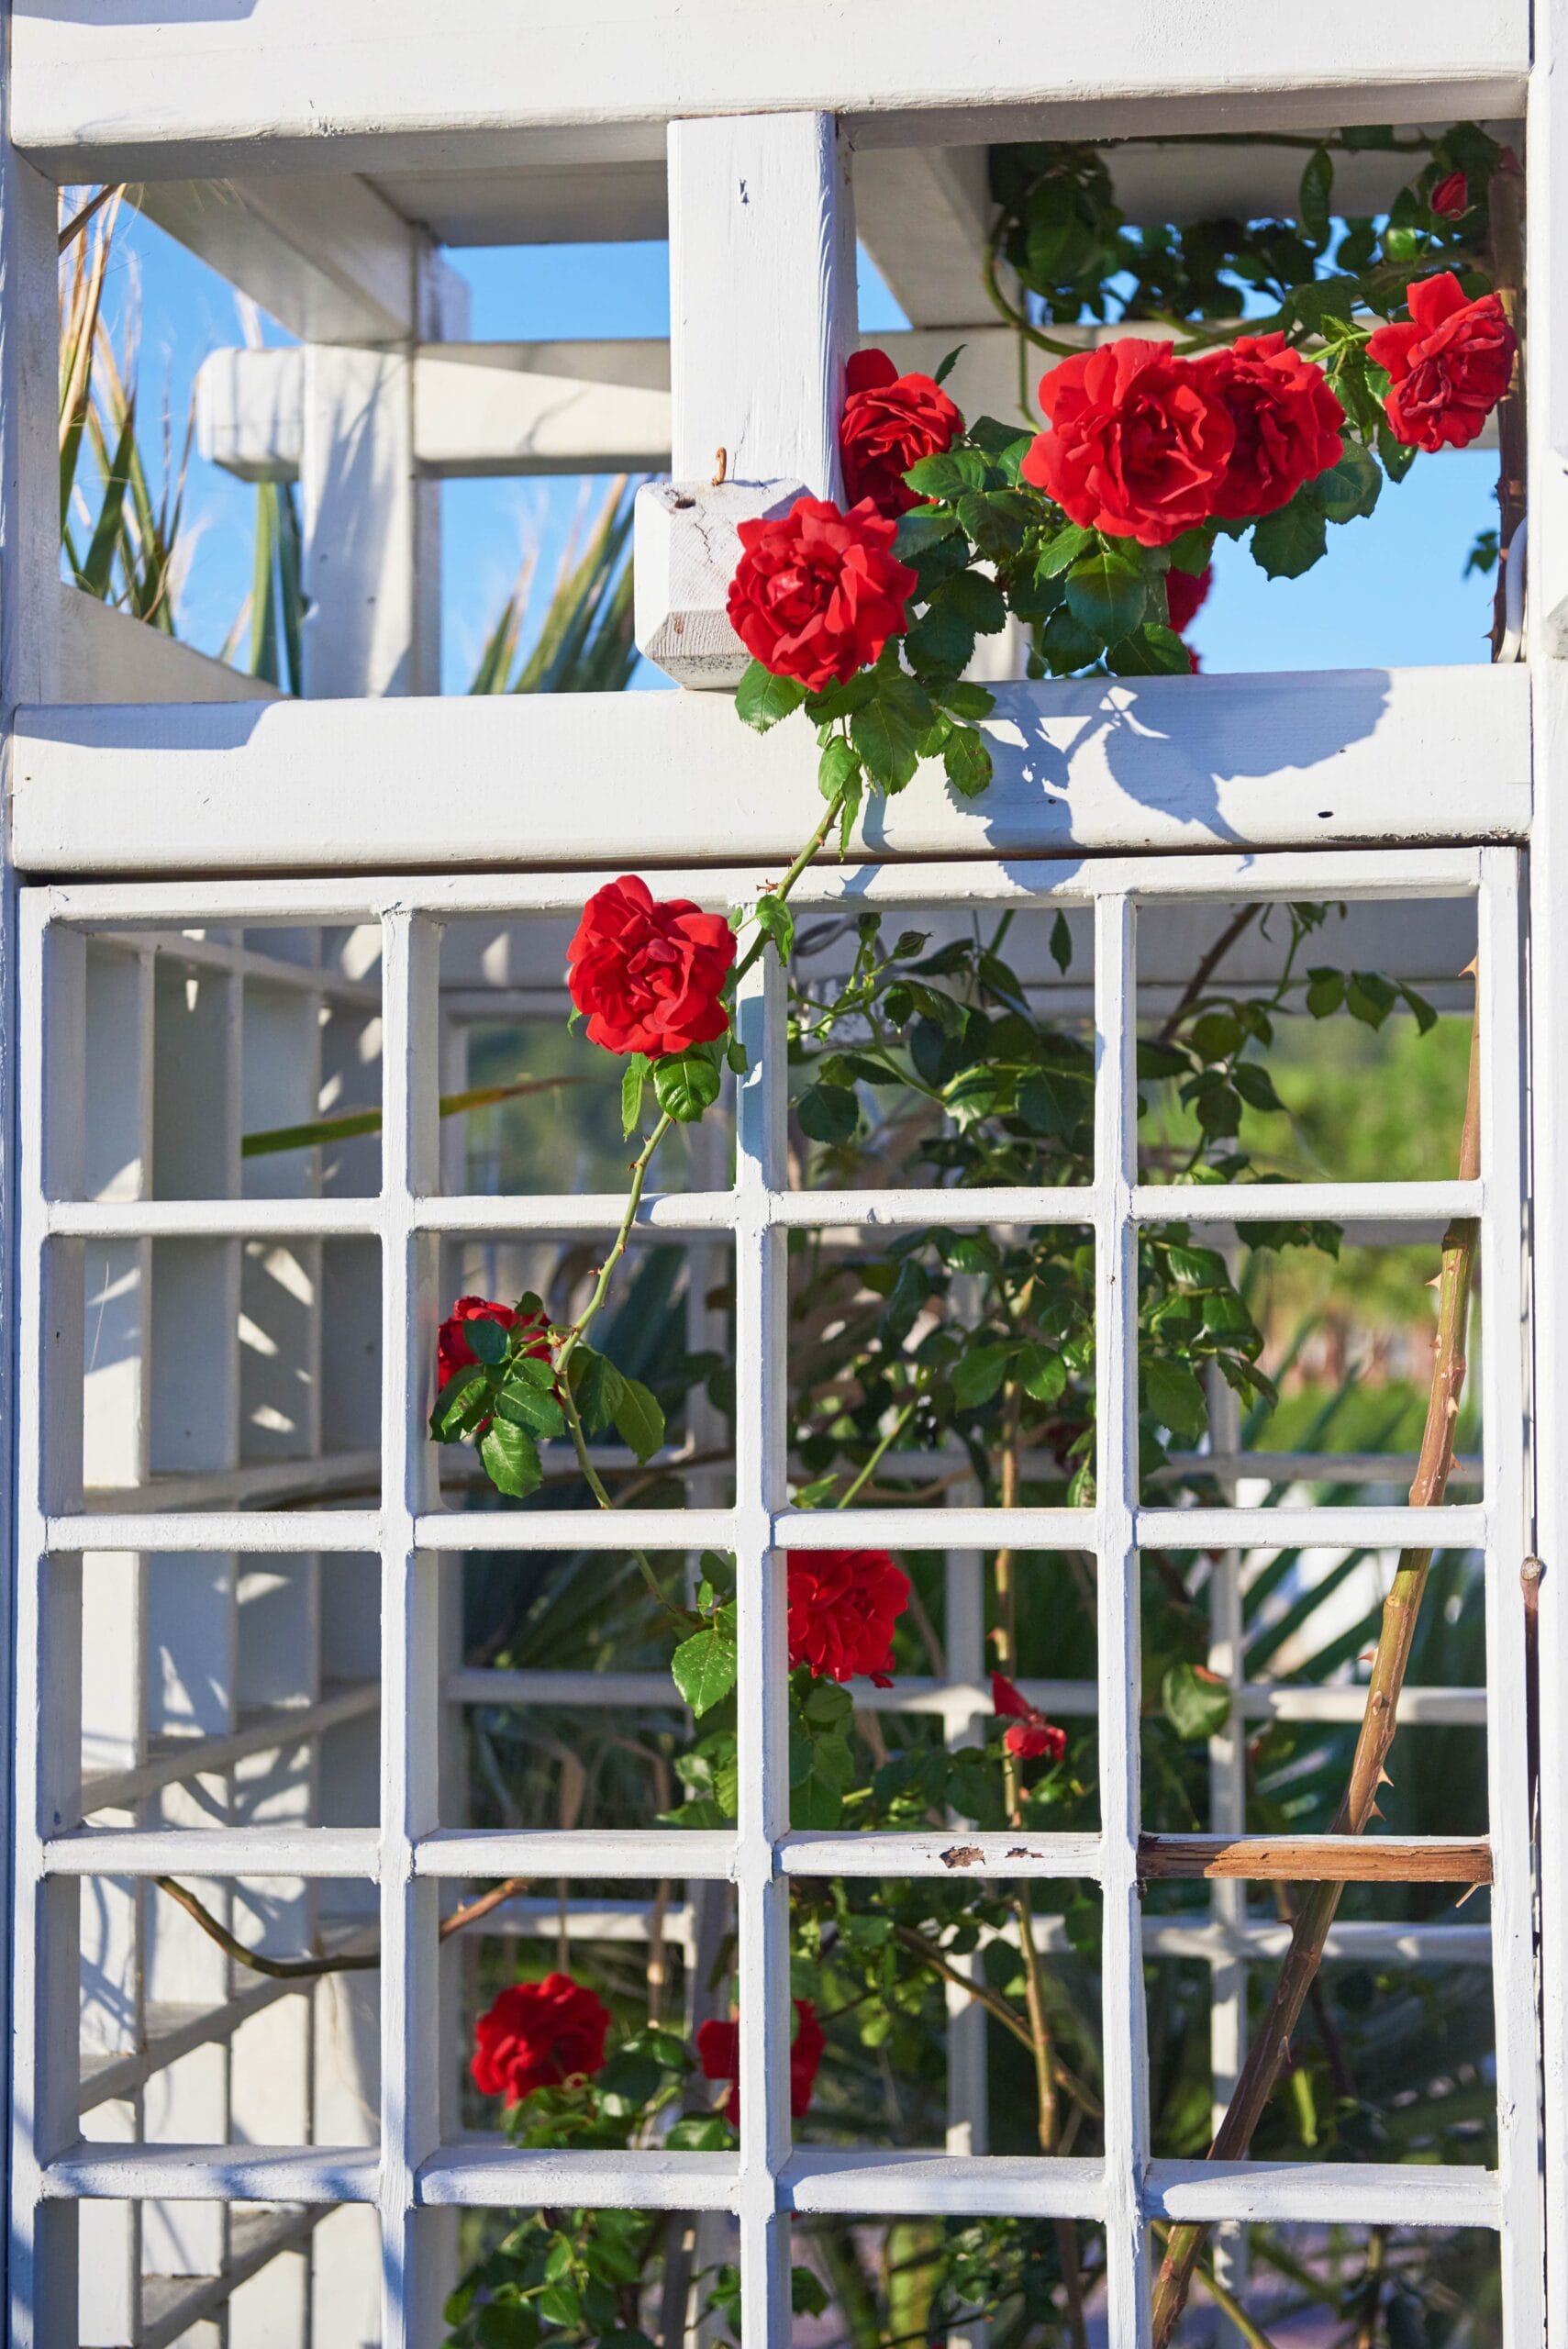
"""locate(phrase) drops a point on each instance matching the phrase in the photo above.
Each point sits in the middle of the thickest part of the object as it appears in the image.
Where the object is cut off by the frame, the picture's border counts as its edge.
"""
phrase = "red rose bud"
(1285, 421)
(1450, 362)
(817, 593)
(1139, 442)
(1186, 593)
(453, 1351)
(890, 422)
(1030, 1735)
(648, 972)
(718, 2052)
(1451, 196)
(843, 1605)
(538, 2036)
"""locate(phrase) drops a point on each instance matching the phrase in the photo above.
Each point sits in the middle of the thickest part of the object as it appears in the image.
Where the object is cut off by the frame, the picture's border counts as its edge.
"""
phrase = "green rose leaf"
(1061, 943)
(487, 1340)
(1106, 596)
(1348, 489)
(1044, 1374)
(595, 1388)
(978, 1374)
(1289, 542)
(1195, 1702)
(838, 770)
(705, 1667)
(510, 1458)
(966, 756)
(775, 919)
(1174, 1397)
(1325, 992)
(456, 1403)
(686, 1083)
(828, 1113)
(639, 1421)
(1153, 651)
(634, 1077)
(761, 699)
(951, 475)
(530, 1407)
(887, 729)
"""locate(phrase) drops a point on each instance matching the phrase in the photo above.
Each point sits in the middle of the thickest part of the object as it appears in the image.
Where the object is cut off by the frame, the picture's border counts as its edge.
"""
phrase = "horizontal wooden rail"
(1315, 1859)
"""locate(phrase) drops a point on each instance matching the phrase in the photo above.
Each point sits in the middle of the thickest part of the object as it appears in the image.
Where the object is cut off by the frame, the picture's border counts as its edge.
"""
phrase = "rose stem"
(1319, 1902)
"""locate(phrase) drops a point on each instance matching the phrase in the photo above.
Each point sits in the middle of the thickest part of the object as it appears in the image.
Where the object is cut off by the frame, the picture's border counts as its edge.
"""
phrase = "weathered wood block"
(687, 547)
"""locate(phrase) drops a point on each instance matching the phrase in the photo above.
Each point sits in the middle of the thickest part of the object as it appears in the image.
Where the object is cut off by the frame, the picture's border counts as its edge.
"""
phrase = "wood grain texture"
(1314, 1859)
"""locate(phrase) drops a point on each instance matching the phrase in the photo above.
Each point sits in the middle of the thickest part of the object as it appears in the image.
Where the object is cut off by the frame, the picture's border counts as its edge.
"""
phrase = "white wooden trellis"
(761, 316)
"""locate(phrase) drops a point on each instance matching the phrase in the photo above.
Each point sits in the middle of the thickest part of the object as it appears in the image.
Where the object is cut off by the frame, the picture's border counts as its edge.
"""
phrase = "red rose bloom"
(538, 2036)
(1186, 593)
(1286, 421)
(843, 1605)
(1451, 196)
(817, 593)
(650, 973)
(453, 1351)
(1450, 364)
(890, 422)
(1139, 442)
(718, 2052)
(1030, 1735)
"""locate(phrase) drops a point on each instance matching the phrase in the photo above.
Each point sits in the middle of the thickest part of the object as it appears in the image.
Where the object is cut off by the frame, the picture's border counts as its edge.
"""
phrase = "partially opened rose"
(818, 593)
(649, 971)
(1138, 443)
(890, 422)
(843, 1605)
(1284, 418)
(1450, 361)
(718, 2052)
(1028, 1734)
(538, 2036)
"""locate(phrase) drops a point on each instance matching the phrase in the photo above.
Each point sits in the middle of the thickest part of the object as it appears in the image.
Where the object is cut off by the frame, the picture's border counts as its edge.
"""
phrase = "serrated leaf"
(1051, 1102)
(530, 1407)
(1325, 992)
(887, 729)
(1106, 596)
(1316, 188)
(1425, 1016)
(487, 1338)
(964, 699)
(1370, 997)
(773, 917)
(761, 699)
(510, 1458)
(595, 1388)
(828, 1113)
(1062, 548)
(977, 1374)
(1350, 488)
(639, 1421)
(686, 1083)
(1044, 1374)
(705, 1667)
(949, 476)
(966, 756)
(633, 1078)
(1195, 1701)
(838, 769)
(1289, 542)
(1153, 651)
(1172, 1396)
(455, 1401)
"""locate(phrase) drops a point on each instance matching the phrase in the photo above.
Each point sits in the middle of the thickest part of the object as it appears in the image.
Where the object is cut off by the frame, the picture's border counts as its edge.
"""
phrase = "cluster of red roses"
(545, 2034)
(1141, 444)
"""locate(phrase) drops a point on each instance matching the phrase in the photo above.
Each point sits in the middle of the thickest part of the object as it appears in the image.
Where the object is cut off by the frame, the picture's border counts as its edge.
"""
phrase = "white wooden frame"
(1405, 760)
(412, 1857)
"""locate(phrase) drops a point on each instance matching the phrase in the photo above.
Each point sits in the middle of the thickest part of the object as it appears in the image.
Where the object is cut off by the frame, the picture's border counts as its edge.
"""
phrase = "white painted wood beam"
(1097, 764)
(106, 655)
(328, 257)
(924, 215)
(103, 92)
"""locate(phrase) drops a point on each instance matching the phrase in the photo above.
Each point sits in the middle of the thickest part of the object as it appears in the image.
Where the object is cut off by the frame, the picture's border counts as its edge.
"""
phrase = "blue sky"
(1391, 592)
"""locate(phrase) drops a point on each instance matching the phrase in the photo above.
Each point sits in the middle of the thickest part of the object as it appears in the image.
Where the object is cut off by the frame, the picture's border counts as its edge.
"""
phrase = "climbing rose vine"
(1093, 527)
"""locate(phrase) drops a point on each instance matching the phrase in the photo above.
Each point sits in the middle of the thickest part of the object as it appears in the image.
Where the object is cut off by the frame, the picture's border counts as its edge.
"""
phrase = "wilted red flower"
(817, 593)
(1030, 1735)
(1450, 361)
(1138, 445)
(649, 971)
(843, 1605)
(718, 2052)
(538, 2036)
(1451, 196)
(1186, 593)
(1284, 417)
(890, 422)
